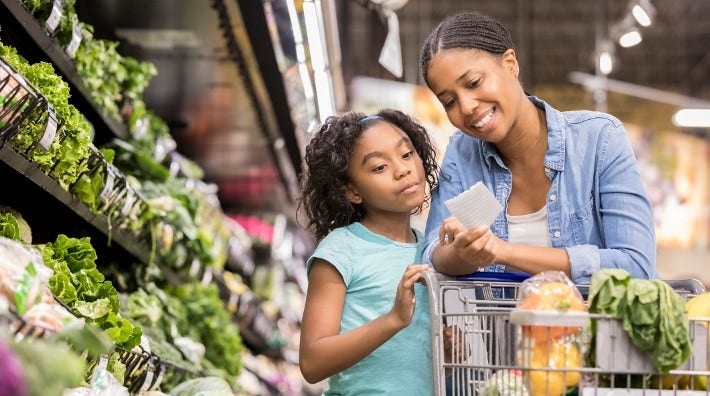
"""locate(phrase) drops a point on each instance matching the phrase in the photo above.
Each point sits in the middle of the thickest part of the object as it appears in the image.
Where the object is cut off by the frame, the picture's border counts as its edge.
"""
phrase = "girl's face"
(385, 172)
(480, 92)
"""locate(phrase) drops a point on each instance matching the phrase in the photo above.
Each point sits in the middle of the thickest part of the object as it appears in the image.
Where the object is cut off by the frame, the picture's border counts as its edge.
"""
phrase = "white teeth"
(484, 120)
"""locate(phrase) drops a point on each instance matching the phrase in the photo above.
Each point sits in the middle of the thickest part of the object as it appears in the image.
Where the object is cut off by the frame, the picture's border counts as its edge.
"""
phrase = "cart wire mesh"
(492, 352)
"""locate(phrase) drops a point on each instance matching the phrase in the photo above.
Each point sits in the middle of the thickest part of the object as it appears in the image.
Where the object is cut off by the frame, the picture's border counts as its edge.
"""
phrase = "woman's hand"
(477, 247)
(405, 300)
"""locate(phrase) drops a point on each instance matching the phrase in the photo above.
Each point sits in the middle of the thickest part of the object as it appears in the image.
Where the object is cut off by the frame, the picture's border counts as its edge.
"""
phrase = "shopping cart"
(490, 356)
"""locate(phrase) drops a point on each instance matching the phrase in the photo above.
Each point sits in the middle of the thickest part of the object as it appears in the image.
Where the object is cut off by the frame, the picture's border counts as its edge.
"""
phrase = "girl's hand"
(405, 300)
(456, 350)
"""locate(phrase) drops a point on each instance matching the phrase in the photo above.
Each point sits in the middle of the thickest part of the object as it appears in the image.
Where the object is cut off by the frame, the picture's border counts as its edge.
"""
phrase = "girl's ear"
(352, 194)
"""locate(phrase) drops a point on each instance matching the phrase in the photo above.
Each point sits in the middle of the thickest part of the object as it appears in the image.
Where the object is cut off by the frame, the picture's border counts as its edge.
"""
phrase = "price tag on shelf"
(207, 277)
(128, 202)
(108, 184)
(50, 130)
(75, 41)
(55, 17)
(140, 129)
(194, 267)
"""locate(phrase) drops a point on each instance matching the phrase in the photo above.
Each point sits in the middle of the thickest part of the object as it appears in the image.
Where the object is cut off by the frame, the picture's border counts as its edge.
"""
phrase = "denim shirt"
(597, 205)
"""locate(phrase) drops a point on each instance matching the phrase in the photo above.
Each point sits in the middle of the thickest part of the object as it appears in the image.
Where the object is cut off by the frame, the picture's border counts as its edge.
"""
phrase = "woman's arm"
(624, 207)
(323, 351)
(463, 251)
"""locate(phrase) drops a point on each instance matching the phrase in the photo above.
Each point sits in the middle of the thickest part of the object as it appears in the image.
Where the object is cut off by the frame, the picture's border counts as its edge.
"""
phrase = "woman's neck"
(396, 229)
(527, 142)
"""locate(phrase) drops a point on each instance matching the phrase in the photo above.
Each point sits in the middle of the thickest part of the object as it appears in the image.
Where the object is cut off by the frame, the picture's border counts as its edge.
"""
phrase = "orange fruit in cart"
(553, 355)
(552, 296)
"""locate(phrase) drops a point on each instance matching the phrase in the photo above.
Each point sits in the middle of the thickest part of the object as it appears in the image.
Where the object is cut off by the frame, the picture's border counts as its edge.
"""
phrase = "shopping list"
(475, 207)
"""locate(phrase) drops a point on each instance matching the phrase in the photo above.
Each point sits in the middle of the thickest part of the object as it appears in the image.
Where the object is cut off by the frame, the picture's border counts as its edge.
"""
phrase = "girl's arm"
(324, 352)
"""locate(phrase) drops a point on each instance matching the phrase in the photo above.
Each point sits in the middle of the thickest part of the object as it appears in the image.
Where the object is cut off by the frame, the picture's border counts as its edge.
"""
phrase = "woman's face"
(480, 92)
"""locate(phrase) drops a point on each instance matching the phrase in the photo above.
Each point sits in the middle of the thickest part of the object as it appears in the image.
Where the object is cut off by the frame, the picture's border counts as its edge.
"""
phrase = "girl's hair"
(324, 181)
(465, 30)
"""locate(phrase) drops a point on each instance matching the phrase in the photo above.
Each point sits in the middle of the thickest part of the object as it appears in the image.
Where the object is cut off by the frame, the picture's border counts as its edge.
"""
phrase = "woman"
(569, 184)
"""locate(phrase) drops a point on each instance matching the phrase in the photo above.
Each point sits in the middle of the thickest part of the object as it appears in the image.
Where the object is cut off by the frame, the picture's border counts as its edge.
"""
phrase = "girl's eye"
(379, 169)
(408, 154)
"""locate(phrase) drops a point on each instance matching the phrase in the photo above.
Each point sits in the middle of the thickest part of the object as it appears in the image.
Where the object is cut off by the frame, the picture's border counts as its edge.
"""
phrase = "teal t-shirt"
(371, 266)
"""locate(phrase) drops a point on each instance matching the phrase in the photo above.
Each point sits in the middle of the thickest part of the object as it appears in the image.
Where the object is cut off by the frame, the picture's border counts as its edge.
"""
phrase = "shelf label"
(194, 267)
(75, 41)
(140, 129)
(54, 17)
(50, 130)
(207, 277)
(108, 185)
(128, 202)
(149, 372)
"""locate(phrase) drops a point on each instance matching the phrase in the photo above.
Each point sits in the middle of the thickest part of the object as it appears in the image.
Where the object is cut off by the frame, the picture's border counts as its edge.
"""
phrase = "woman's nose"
(469, 104)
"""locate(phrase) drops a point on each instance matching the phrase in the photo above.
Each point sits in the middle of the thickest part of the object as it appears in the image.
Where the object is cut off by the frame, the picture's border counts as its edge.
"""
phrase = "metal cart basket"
(490, 355)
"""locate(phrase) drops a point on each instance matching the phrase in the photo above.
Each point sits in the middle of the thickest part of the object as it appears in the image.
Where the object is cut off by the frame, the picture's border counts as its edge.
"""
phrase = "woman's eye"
(473, 83)
(447, 103)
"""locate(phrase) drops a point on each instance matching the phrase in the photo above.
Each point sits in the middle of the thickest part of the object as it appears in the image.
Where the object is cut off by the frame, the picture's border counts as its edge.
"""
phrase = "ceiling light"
(630, 38)
(604, 57)
(692, 118)
(643, 12)
(606, 63)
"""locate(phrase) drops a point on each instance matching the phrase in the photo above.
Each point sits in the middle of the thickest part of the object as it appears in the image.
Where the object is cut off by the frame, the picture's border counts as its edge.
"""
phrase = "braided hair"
(465, 30)
(328, 155)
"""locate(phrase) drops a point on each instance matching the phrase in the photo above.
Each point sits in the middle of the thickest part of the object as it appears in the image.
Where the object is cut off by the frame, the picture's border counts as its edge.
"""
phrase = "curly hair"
(328, 154)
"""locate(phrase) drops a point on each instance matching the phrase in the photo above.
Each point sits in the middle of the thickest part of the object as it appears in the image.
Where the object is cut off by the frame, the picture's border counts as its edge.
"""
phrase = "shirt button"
(553, 197)
(547, 170)
(557, 234)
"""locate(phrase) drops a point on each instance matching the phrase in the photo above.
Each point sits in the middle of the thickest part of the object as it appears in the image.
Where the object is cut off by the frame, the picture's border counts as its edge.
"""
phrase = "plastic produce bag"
(205, 386)
(548, 340)
(23, 275)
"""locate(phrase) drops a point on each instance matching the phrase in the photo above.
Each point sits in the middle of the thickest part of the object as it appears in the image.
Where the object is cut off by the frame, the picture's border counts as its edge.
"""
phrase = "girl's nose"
(403, 171)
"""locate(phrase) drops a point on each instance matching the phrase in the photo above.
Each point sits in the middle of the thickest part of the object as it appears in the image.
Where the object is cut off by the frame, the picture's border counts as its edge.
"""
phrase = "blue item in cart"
(497, 291)
(490, 276)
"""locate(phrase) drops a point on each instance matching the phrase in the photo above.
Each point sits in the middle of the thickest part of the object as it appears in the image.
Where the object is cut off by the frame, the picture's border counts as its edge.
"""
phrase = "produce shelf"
(48, 204)
(21, 30)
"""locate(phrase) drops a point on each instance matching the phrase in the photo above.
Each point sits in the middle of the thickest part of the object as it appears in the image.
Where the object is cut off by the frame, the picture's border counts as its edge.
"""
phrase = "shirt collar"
(554, 158)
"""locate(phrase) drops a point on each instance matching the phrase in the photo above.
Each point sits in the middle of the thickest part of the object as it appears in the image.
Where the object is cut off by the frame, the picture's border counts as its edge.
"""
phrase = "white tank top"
(530, 229)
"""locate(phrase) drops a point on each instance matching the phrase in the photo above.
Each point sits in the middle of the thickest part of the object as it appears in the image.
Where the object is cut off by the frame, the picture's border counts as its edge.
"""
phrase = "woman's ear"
(352, 195)
(510, 62)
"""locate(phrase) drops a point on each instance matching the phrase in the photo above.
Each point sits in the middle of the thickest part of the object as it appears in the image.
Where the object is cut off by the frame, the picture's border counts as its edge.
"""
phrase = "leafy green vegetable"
(78, 284)
(9, 227)
(652, 314)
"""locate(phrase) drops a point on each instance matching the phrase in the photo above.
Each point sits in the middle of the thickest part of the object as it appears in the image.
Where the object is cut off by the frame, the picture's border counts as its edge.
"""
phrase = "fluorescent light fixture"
(692, 118)
(630, 38)
(643, 11)
(606, 63)
(641, 16)
(315, 44)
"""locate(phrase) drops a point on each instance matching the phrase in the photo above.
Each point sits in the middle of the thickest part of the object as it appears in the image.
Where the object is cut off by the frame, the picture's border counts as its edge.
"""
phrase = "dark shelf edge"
(31, 172)
(60, 60)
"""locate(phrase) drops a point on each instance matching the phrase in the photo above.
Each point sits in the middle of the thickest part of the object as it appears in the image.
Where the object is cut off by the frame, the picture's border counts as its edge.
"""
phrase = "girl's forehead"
(380, 135)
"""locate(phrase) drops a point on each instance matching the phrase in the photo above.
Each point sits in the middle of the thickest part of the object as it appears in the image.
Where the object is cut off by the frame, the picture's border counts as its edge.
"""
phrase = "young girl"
(365, 316)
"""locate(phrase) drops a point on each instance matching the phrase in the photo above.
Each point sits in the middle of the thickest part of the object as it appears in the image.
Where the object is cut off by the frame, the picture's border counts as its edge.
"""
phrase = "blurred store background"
(207, 106)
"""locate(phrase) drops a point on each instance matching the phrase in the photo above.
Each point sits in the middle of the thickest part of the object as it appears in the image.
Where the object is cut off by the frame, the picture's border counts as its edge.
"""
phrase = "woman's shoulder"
(591, 119)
